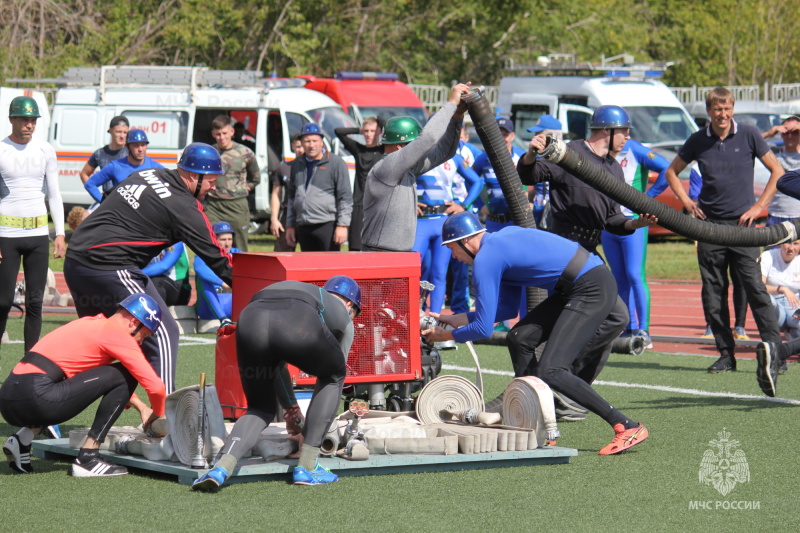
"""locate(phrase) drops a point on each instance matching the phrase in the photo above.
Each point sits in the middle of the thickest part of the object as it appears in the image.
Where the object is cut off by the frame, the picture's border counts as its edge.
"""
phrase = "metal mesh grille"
(382, 344)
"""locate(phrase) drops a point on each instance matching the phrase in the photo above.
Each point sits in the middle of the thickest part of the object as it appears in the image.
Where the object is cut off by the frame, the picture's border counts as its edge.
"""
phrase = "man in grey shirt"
(390, 195)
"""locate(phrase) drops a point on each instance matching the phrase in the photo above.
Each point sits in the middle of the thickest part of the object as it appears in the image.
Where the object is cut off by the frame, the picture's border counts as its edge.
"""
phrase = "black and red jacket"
(148, 211)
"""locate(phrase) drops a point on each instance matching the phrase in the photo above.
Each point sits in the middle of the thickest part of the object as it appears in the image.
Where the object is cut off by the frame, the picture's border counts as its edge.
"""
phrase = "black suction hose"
(505, 170)
(600, 179)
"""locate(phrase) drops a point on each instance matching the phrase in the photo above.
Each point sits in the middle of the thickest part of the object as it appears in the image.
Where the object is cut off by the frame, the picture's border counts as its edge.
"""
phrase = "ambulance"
(42, 125)
(365, 94)
(657, 116)
(175, 106)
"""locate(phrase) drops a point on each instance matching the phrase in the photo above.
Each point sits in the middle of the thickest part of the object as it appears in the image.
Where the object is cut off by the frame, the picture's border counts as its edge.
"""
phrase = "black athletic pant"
(316, 237)
(100, 291)
(33, 253)
(570, 323)
(714, 262)
(269, 334)
(35, 400)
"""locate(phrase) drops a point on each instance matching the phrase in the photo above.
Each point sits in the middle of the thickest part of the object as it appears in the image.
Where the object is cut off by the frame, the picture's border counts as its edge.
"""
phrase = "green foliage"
(426, 41)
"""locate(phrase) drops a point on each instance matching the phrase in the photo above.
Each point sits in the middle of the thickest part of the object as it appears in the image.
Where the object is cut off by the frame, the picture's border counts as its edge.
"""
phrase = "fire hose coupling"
(474, 94)
(555, 149)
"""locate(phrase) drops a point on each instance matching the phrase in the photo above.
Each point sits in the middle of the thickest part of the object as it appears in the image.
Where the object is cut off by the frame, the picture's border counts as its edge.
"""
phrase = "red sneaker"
(624, 439)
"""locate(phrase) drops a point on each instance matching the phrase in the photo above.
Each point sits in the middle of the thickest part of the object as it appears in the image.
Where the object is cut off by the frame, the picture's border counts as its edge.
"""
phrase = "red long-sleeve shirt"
(94, 341)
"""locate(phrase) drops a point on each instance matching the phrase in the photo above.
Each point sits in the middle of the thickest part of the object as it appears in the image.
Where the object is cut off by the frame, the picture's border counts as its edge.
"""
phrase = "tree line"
(730, 42)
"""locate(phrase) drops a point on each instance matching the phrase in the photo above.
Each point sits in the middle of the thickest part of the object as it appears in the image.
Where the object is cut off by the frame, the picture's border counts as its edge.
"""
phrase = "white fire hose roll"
(182, 410)
(528, 403)
(447, 393)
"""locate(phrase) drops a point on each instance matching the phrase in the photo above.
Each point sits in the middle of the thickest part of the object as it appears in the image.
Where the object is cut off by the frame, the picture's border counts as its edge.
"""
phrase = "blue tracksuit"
(435, 188)
(116, 172)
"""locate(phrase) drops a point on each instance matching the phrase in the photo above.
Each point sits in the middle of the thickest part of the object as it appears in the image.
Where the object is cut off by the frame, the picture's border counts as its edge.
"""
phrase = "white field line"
(664, 388)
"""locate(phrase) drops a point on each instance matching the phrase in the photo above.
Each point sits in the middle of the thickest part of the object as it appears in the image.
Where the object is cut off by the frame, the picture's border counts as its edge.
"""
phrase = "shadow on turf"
(641, 365)
(736, 404)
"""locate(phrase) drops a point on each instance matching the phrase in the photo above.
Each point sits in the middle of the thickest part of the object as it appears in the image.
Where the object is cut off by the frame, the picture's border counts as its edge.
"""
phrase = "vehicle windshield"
(761, 121)
(660, 124)
(330, 118)
(384, 113)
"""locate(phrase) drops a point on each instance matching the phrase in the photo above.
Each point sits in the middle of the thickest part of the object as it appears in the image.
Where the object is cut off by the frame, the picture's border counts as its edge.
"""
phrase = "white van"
(42, 125)
(658, 118)
(175, 106)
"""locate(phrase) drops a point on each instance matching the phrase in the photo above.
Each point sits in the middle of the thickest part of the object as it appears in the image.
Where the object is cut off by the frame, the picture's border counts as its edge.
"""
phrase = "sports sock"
(87, 455)
(25, 436)
(227, 461)
(308, 457)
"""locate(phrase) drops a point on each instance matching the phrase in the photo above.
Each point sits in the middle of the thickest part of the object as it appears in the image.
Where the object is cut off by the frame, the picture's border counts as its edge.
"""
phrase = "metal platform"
(255, 469)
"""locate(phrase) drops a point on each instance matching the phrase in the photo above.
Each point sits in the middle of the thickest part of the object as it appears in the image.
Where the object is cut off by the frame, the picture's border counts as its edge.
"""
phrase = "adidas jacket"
(148, 211)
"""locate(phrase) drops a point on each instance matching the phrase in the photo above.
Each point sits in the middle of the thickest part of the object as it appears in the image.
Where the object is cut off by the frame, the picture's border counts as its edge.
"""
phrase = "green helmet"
(399, 130)
(23, 106)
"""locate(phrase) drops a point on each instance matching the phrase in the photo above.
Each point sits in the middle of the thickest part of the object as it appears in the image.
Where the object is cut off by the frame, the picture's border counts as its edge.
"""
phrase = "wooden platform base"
(255, 469)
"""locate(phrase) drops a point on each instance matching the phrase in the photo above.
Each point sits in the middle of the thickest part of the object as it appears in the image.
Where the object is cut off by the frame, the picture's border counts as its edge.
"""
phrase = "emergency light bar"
(361, 76)
(285, 82)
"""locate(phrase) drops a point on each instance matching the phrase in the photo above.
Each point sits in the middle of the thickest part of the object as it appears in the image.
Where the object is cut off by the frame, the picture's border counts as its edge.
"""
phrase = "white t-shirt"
(28, 174)
(778, 272)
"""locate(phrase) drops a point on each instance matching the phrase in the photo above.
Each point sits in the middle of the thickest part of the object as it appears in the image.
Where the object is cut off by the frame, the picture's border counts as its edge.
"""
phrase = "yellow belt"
(23, 222)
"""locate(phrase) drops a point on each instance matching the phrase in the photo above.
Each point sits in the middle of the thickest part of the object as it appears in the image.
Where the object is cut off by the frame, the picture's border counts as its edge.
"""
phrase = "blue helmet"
(137, 136)
(311, 129)
(143, 308)
(460, 226)
(222, 227)
(201, 158)
(610, 117)
(346, 287)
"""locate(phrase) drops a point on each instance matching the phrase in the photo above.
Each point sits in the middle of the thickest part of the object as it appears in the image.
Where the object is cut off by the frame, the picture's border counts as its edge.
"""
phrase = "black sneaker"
(97, 468)
(768, 358)
(18, 455)
(725, 363)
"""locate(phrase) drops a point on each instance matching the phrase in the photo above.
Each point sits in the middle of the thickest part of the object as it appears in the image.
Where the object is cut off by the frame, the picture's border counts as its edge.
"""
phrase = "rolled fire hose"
(518, 205)
(598, 178)
(447, 393)
(630, 345)
(332, 439)
(528, 403)
(182, 410)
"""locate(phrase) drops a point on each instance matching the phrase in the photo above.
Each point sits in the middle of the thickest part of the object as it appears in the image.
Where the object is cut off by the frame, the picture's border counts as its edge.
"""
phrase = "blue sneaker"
(211, 480)
(319, 476)
(648, 342)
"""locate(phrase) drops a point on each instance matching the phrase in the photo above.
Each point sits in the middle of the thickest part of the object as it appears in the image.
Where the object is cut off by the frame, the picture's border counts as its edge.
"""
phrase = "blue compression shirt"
(511, 258)
(116, 172)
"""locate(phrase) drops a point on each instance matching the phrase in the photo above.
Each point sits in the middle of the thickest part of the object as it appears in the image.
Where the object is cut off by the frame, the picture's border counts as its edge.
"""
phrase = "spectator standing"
(279, 196)
(783, 207)
(726, 152)
(240, 176)
(626, 254)
(118, 129)
(366, 156)
(28, 175)
(320, 199)
(116, 171)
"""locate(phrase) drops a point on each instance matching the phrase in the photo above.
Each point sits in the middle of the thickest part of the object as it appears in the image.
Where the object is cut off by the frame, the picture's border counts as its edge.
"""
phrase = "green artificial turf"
(650, 488)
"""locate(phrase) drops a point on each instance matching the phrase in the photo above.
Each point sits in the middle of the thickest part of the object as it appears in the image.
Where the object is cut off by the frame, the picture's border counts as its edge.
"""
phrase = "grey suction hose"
(598, 178)
(505, 170)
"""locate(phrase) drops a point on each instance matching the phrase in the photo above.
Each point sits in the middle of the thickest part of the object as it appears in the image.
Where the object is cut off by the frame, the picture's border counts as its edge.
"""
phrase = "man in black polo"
(726, 152)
